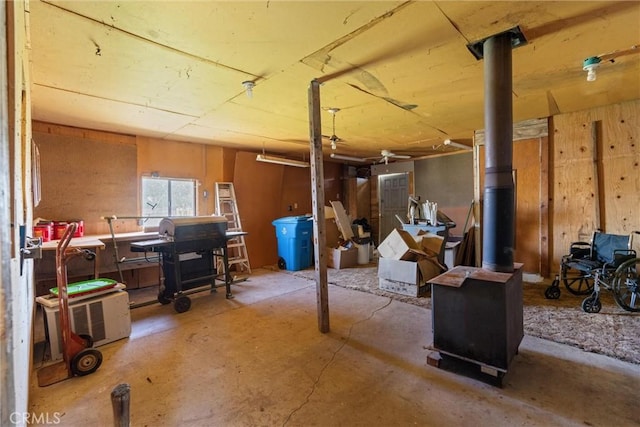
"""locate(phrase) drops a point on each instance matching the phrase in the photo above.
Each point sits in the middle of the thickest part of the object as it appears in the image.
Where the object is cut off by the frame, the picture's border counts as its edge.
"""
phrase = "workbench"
(104, 265)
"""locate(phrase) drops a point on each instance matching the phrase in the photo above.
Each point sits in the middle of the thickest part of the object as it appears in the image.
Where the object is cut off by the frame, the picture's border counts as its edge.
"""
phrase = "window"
(162, 197)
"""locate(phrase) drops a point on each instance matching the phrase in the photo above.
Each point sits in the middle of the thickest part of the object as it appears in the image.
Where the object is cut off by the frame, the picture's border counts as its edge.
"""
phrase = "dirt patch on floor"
(612, 332)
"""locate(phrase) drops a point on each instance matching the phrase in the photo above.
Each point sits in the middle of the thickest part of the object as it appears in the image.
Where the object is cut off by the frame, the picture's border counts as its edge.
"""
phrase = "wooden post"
(120, 403)
(598, 179)
(317, 193)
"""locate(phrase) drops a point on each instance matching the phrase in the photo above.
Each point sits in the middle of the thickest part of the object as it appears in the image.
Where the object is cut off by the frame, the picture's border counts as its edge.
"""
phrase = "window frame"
(152, 221)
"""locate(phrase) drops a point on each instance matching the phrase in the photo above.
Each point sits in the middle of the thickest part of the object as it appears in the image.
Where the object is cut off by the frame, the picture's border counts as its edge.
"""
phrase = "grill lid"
(191, 228)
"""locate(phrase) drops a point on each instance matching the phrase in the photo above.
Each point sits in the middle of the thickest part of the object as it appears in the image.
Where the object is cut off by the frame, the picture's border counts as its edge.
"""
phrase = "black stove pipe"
(499, 208)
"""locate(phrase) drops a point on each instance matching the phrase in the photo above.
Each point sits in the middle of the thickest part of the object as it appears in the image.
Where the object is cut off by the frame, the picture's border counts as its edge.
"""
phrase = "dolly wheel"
(282, 264)
(552, 292)
(182, 304)
(86, 362)
(591, 304)
(88, 340)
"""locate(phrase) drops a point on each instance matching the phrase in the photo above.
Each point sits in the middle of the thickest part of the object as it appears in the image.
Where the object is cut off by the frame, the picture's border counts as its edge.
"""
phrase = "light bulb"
(589, 65)
(248, 86)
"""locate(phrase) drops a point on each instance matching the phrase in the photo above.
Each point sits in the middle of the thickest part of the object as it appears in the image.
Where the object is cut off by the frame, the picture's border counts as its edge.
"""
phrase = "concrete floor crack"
(330, 361)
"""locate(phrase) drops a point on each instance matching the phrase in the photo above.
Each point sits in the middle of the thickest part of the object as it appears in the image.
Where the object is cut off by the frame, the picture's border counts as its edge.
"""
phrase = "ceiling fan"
(387, 154)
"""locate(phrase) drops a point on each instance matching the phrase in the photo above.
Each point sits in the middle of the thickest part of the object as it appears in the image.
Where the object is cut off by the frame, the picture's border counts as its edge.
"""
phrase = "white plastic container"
(363, 253)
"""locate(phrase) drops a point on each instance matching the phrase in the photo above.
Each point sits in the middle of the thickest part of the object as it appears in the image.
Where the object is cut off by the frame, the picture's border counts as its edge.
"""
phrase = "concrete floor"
(259, 360)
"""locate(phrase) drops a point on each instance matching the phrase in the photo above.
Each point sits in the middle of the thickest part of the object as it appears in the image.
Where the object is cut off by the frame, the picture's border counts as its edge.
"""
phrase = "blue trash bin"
(294, 235)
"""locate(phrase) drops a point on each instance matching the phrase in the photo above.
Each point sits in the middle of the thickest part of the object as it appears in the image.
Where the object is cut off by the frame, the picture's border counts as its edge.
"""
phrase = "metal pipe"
(499, 204)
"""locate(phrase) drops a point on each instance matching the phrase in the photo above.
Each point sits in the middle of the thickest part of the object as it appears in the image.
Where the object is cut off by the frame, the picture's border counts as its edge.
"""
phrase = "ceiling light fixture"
(451, 143)
(248, 86)
(281, 161)
(333, 138)
(351, 158)
(589, 65)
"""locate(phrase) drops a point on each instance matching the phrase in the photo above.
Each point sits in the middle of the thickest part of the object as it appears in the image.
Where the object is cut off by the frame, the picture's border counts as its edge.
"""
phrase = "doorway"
(393, 195)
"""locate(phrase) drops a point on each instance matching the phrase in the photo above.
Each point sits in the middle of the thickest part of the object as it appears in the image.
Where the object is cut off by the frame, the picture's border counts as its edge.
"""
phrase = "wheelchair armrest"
(580, 250)
(622, 255)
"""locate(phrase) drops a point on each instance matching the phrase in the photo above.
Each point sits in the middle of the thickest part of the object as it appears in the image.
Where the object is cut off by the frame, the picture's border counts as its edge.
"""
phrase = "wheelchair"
(608, 262)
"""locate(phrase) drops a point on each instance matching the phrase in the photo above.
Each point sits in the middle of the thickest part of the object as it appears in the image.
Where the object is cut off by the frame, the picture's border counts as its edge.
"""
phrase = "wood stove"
(478, 312)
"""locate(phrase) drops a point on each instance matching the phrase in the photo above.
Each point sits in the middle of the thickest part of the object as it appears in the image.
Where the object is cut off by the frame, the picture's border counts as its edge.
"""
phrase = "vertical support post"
(317, 192)
(120, 397)
(598, 190)
(9, 394)
(499, 203)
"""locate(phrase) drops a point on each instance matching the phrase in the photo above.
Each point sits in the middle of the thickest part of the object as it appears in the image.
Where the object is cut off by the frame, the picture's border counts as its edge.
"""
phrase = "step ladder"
(238, 258)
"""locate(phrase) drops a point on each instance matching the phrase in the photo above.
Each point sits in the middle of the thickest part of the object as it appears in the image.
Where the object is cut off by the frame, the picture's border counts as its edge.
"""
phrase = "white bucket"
(363, 253)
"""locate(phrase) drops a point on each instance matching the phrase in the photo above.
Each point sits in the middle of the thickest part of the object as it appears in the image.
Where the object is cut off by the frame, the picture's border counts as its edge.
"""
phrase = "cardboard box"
(400, 245)
(402, 288)
(342, 258)
(332, 234)
(407, 277)
(451, 253)
(431, 243)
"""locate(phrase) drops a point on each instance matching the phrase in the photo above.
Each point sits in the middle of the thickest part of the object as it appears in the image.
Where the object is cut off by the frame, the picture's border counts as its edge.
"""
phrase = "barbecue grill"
(188, 247)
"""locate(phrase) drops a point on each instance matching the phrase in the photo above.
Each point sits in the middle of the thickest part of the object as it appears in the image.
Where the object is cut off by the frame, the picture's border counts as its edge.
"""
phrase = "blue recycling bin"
(294, 234)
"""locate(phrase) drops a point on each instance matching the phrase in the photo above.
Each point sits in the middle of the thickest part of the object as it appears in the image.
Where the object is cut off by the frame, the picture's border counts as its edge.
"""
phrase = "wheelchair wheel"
(626, 286)
(591, 304)
(576, 281)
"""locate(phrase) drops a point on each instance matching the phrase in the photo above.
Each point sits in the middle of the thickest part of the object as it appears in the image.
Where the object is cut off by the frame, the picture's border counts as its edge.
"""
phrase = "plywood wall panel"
(258, 196)
(621, 161)
(86, 179)
(574, 187)
(53, 129)
(171, 158)
(528, 165)
(572, 138)
(296, 192)
(334, 190)
(217, 170)
(574, 205)
(622, 125)
(574, 191)
(266, 192)
(622, 195)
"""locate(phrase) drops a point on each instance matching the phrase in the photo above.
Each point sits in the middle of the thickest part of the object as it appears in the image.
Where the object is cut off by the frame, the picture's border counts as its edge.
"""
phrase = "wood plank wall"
(88, 174)
(595, 175)
(266, 192)
(85, 174)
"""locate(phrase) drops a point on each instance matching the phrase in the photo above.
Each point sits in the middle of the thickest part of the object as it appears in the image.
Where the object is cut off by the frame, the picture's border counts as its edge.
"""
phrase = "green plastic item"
(86, 286)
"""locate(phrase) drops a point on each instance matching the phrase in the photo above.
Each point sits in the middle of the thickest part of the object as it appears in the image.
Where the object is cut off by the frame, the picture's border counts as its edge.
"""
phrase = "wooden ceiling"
(399, 71)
